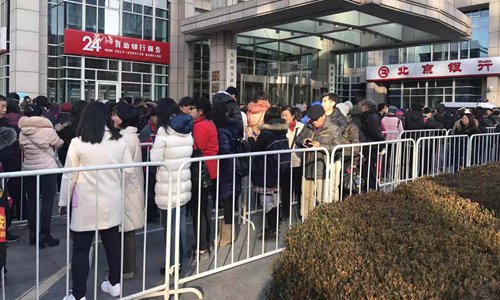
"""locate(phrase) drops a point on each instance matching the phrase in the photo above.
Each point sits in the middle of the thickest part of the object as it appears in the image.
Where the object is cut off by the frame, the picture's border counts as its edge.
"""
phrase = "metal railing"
(484, 148)
(271, 196)
(416, 134)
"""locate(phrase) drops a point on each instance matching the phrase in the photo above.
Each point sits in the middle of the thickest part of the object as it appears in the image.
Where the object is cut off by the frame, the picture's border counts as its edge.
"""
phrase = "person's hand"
(307, 143)
(62, 210)
(315, 144)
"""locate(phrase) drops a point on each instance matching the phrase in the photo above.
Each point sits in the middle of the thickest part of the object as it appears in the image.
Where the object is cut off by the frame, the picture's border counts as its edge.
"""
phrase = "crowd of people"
(38, 135)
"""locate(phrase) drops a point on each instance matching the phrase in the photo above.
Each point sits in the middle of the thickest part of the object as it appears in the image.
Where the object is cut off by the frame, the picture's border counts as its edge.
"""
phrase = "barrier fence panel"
(278, 196)
(416, 134)
(440, 154)
(357, 168)
(143, 252)
(491, 129)
(484, 148)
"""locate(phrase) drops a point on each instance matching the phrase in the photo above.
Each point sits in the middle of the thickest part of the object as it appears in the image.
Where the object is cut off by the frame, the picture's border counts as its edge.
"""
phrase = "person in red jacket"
(206, 141)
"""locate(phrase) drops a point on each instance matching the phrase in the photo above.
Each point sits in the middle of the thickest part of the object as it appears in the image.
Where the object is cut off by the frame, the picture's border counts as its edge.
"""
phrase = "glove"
(62, 210)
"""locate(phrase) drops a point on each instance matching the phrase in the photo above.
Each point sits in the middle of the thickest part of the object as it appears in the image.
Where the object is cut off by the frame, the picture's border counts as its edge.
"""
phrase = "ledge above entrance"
(356, 24)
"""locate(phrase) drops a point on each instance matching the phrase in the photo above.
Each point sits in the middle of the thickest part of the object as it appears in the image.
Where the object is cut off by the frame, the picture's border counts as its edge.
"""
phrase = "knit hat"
(66, 107)
(316, 112)
(349, 104)
(393, 110)
(181, 123)
(344, 108)
(232, 91)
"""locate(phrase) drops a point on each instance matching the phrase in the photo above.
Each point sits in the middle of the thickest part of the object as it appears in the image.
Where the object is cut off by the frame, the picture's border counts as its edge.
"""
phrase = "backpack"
(284, 159)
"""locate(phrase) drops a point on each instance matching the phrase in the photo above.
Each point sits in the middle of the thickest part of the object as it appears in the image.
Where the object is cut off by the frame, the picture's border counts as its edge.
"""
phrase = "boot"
(48, 240)
(225, 235)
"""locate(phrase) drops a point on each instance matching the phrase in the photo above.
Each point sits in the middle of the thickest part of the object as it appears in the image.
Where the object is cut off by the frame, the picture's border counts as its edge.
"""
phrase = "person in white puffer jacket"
(174, 146)
(126, 118)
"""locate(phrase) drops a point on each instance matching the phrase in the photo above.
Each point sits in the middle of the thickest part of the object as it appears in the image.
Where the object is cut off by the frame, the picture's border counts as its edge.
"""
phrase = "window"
(391, 56)
(132, 25)
(73, 16)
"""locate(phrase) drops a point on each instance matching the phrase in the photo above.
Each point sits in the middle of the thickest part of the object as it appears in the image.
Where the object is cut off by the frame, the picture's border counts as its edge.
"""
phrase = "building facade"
(297, 50)
(95, 63)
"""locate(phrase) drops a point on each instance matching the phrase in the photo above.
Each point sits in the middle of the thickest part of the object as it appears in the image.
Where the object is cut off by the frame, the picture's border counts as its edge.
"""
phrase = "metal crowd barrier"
(491, 129)
(251, 244)
(440, 154)
(126, 292)
(484, 148)
(357, 168)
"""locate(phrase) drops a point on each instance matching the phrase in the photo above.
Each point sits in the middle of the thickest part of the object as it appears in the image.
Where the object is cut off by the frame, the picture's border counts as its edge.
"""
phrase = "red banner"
(111, 46)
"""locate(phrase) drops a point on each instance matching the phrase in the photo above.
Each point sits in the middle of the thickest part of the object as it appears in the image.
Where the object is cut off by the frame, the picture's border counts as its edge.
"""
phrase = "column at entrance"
(222, 61)
(28, 47)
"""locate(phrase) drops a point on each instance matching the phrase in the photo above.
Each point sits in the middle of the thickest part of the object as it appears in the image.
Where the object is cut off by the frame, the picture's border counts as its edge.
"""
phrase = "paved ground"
(248, 281)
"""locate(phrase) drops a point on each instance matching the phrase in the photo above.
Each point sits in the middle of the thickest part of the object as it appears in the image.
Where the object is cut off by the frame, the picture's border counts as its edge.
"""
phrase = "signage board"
(485, 66)
(118, 47)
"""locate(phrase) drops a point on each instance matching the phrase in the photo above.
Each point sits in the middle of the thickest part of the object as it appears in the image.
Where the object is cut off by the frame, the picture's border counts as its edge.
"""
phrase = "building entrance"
(284, 90)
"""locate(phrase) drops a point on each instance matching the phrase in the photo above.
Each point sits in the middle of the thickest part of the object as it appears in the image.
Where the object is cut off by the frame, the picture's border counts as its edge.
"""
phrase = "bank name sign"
(486, 66)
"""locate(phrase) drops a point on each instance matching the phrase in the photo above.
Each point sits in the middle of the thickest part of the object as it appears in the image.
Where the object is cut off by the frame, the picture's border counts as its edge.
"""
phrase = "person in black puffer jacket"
(266, 170)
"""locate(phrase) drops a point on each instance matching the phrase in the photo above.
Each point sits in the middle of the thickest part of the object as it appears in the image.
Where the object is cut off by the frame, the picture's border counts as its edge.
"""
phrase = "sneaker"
(170, 271)
(71, 297)
(12, 238)
(113, 290)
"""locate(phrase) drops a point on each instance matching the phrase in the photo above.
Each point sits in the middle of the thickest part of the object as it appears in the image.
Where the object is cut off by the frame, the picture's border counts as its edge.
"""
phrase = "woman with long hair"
(173, 145)
(125, 118)
(207, 143)
(95, 196)
(39, 141)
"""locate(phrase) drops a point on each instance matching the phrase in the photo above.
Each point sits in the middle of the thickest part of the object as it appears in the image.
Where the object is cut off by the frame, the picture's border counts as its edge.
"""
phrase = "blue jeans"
(182, 243)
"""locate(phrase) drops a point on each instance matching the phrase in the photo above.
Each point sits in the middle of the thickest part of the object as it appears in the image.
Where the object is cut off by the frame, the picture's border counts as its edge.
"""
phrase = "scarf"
(292, 126)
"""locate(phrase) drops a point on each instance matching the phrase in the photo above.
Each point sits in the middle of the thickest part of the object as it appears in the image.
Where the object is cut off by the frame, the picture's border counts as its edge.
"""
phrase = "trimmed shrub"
(421, 241)
(480, 184)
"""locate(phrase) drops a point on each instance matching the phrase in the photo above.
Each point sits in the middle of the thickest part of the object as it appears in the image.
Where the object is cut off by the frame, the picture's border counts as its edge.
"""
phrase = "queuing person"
(414, 120)
(382, 109)
(205, 141)
(467, 124)
(291, 115)
(224, 99)
(430, 122)
(97, 142)
(256, 110)
(10, 159)
(329, 102)
(268, 168)
(185, 104)
(372, 131)
(66, 129)
(444, 117)
(319, 132)
(39, 141)
(392, 123)
(125, 118)
(227, 133)
(355, 111)
(233, 92)
(13, 113)
(43, 102)
(173, 145)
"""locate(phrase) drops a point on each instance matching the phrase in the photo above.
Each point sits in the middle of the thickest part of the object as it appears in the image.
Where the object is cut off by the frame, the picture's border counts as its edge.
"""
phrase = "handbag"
(206, 181)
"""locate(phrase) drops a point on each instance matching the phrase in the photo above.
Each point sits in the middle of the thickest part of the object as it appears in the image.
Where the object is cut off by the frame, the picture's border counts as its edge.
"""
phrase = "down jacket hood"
(258, 107)
(222, 97)
(7, 137)
(275, 127)
(31, 125)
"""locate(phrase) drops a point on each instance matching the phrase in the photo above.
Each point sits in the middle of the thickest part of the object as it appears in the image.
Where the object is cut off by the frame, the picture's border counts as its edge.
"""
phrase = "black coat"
(371, 126)
(446, 119)
(233, 110)
(268, 134)
(414, 120)
(10, 155)
(433, 124)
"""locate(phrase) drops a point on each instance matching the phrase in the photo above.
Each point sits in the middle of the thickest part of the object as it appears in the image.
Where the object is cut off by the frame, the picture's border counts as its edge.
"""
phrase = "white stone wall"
(28, 47)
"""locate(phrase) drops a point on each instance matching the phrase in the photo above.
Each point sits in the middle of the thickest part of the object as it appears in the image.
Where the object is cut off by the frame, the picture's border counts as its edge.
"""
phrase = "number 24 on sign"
(92, 44)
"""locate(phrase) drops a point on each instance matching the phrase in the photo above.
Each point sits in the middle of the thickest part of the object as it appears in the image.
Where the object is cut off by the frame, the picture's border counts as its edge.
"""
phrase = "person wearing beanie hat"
(320, 131)
(173, 146)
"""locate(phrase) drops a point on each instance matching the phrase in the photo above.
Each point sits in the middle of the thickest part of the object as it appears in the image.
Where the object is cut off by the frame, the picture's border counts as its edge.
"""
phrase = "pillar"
(222, 61)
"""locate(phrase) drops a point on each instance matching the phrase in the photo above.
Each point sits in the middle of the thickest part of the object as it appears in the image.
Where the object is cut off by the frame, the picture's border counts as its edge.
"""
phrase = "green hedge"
(420, 241)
